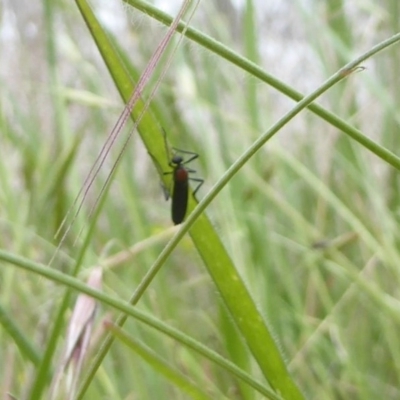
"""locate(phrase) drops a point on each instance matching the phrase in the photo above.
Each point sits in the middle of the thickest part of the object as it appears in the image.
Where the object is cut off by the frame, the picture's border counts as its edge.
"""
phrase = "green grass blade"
(128, 309)
(20, 340)
(220, 266)
(256, 71)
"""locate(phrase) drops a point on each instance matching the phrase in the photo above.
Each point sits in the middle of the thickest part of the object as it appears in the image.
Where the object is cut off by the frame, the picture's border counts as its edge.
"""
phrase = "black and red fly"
(181, 177)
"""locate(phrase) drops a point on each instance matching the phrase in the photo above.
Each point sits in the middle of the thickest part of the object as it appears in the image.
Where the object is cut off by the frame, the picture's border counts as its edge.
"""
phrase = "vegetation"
(282, 283)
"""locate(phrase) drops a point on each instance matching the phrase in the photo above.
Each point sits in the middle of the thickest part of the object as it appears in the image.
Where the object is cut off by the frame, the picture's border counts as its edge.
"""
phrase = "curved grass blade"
(220, 266)
(128, 309)
(253, 69)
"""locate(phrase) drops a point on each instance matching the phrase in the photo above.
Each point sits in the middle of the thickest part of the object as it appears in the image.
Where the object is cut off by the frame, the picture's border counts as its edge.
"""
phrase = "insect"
(180, 176)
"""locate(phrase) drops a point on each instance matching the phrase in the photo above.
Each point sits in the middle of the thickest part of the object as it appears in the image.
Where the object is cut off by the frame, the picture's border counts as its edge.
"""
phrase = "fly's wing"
(179, 201)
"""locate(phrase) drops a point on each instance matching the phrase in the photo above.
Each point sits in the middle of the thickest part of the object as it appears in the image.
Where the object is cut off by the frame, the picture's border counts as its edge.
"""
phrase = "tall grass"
(306, 229)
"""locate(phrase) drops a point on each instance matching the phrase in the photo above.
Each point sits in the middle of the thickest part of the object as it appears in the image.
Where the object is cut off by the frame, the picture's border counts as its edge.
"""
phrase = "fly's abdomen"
(179, 200)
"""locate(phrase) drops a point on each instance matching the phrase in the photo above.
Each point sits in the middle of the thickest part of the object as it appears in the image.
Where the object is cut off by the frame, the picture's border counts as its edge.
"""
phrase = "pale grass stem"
(79, 333)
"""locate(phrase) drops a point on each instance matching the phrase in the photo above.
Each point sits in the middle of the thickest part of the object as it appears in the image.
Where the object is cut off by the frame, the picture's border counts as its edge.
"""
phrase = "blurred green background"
(310, 222)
